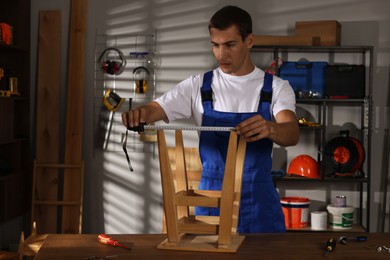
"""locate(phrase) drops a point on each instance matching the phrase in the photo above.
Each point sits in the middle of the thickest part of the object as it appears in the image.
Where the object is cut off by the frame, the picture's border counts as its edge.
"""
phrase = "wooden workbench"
(260, 246)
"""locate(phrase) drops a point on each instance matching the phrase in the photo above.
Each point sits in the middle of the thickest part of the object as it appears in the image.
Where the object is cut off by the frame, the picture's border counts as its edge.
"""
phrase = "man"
(260, 106)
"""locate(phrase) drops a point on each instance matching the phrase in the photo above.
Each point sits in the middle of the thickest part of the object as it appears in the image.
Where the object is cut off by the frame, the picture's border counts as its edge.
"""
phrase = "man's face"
(231, 53)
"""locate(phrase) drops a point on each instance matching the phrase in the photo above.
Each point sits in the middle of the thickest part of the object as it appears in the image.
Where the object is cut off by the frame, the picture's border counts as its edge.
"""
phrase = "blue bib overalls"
(260, 210)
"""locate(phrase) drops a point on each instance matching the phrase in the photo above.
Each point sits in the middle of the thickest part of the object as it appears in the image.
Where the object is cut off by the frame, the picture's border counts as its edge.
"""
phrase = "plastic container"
(296, 211)
(319, 220)
(340, 217)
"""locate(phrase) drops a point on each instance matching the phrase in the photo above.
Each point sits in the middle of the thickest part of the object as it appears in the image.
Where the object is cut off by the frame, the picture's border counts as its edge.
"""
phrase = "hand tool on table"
(344, 240)
(106, 240)
(330, 246)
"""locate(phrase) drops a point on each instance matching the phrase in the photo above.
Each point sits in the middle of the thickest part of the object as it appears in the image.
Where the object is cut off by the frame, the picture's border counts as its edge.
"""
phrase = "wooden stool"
(201, 233)
(29, 247)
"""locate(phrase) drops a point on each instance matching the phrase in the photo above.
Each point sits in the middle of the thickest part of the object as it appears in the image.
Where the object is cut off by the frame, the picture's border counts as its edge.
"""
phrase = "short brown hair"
(232, 15)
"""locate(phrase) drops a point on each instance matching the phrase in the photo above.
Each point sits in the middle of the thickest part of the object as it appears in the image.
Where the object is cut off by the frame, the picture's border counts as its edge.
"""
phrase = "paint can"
(296, 211)
(341, 201)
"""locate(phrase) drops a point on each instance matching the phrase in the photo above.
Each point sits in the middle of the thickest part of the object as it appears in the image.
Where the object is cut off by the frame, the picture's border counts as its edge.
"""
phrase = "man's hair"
(232, 15)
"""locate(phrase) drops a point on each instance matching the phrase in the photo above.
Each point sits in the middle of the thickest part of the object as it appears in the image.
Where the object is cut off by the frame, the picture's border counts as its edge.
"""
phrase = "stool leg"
(181, 172)
(241, 151)
(227, 193)
(168, 189)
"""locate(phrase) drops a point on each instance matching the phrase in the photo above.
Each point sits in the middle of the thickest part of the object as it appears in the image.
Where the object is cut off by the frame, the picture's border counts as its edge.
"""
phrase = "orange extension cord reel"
(345, 155)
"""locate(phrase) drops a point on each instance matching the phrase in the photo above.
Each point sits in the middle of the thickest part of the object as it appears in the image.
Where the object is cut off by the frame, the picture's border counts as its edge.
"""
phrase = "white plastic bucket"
(319, 220)
(340, 217)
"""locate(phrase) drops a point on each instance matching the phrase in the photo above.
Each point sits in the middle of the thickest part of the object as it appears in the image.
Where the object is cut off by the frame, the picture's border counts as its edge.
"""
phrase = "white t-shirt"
(238, 94)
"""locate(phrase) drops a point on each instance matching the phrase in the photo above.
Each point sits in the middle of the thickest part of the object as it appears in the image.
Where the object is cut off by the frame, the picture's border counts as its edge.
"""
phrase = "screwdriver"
(330, 245)
(106, 240)
(343, 239)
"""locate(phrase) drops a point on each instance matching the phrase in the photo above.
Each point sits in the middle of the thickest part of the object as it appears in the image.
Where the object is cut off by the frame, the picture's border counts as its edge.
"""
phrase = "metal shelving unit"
(364, 56)
(15, 136)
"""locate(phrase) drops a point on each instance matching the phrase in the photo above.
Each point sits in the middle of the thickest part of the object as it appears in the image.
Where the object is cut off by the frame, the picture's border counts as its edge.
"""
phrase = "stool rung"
(188, 225)
(199, 198)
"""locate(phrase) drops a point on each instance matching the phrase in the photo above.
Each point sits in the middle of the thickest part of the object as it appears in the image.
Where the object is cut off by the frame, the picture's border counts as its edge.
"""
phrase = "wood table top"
(291, 245)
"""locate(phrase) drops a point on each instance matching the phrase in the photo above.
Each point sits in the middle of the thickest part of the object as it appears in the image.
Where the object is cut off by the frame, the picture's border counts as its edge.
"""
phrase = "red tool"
(106, 240)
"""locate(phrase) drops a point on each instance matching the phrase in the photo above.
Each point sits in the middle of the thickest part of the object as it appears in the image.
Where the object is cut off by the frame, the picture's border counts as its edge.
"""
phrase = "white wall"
(117, 201)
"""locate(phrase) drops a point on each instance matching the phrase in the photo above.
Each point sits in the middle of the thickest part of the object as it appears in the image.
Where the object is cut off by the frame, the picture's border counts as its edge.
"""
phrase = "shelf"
(311, 127)
(12, 48)
(13, 141)
(6, 176)
(312, 49)
(355, 228)
(16, 97)
(326, 179)
(330, 100)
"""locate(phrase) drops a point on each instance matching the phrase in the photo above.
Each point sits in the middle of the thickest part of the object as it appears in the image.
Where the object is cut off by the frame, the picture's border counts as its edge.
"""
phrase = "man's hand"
(134, 117)
(147, 114)
(255, 128)
(284, 131)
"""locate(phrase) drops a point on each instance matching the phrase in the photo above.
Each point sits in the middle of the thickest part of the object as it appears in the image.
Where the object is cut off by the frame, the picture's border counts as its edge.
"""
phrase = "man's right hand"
(134, 117)
(146, 114)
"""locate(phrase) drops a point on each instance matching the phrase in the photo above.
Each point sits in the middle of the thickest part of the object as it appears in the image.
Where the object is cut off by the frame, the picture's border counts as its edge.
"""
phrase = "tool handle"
(361, 238)
(139, 128)
(330, 245)
(106, 240)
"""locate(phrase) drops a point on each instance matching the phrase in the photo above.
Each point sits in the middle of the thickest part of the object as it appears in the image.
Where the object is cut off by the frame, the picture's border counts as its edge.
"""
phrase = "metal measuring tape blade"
(143, 127)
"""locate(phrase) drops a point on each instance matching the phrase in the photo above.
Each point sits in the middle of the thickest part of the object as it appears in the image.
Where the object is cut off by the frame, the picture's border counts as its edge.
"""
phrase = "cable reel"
(344, 154)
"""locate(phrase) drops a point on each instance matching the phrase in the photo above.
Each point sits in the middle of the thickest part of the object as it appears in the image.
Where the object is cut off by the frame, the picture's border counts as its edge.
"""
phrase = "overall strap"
(266, 96)
(206, 92)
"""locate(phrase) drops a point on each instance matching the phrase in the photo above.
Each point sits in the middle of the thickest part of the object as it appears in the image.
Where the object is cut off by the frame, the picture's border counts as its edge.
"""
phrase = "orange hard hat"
(305, 166)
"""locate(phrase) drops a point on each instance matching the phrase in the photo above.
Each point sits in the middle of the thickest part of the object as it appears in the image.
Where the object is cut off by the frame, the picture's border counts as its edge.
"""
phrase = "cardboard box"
(328, 31)
(286, 40)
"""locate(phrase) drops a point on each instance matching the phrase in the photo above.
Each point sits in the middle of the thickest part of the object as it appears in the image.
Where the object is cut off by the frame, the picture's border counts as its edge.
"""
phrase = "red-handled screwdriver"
(106, 240)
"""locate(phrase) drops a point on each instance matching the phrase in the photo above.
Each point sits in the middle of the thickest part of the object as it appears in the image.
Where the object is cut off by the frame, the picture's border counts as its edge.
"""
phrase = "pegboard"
(125, 65)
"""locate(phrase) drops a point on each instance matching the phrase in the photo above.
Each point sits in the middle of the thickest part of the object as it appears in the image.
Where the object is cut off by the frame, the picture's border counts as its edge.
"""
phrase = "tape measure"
(143, 127)
(112, 101)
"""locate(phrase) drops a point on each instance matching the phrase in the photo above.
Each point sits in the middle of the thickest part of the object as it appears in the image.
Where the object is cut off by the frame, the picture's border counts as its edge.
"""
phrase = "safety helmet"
(305, 166)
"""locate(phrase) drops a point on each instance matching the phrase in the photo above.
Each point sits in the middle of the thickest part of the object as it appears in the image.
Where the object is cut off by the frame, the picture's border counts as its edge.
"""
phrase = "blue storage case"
(306, 78)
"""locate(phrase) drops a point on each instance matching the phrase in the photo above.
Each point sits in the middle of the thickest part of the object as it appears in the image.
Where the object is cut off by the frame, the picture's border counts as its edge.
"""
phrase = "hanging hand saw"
(143, 127)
